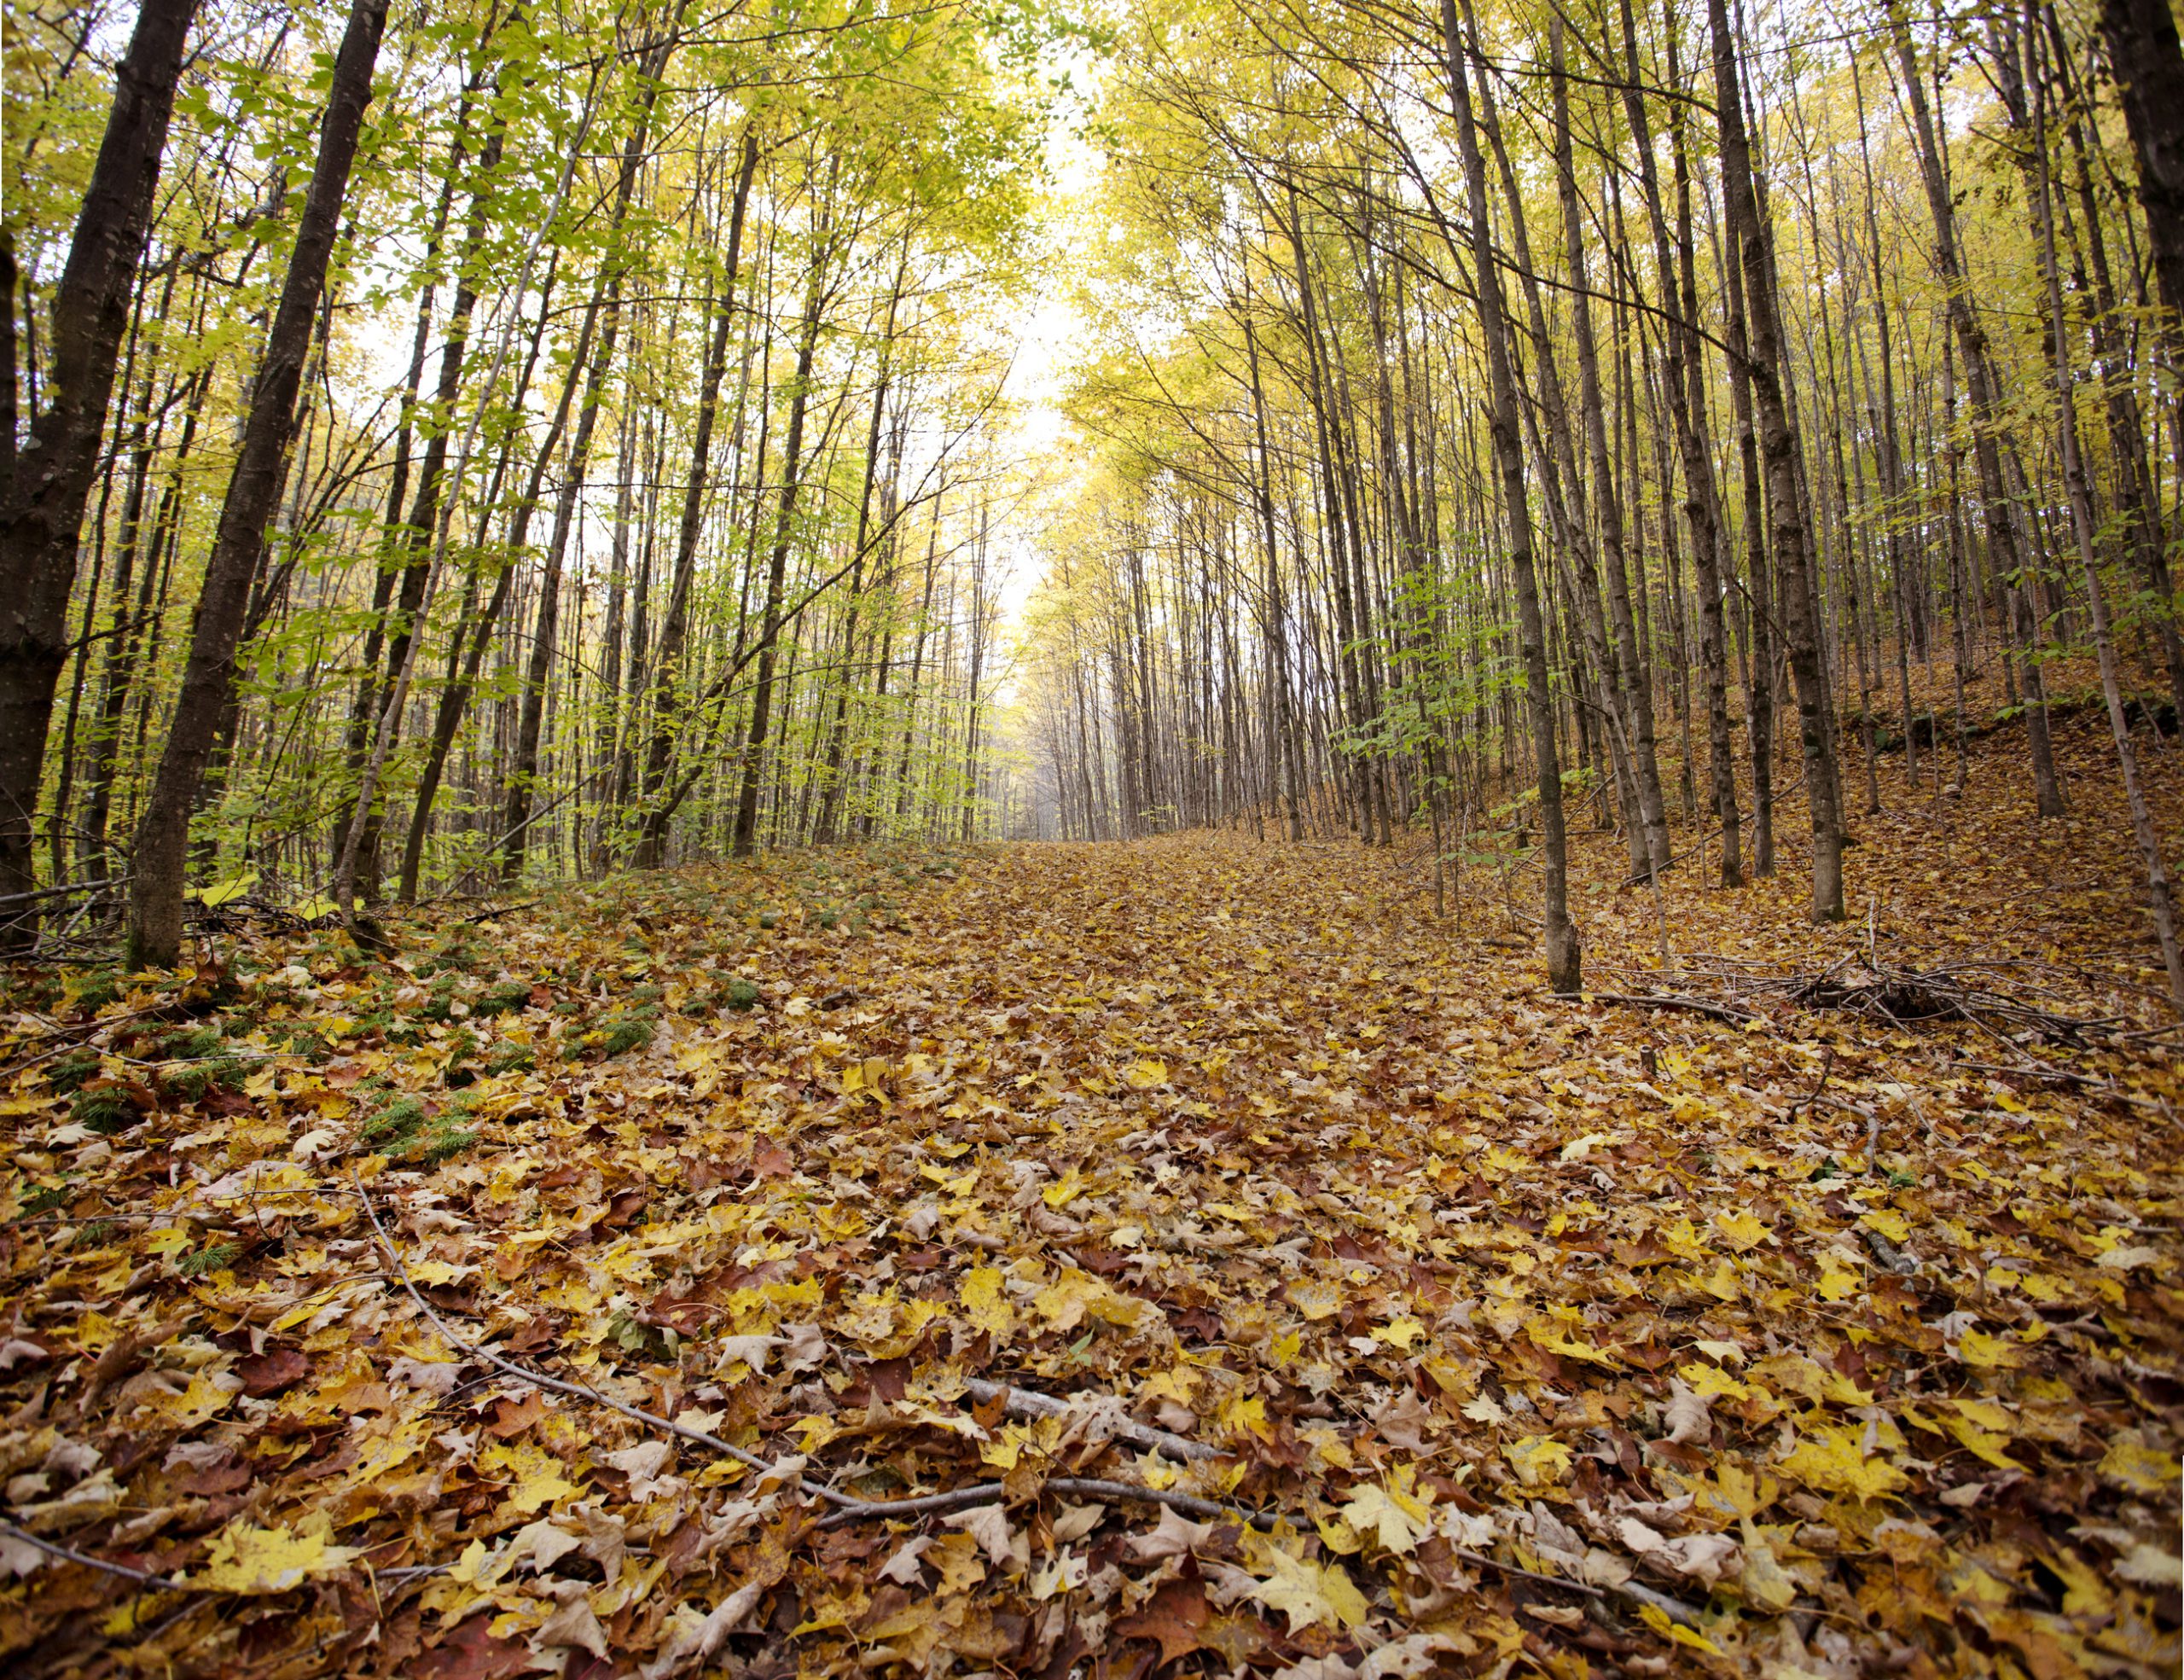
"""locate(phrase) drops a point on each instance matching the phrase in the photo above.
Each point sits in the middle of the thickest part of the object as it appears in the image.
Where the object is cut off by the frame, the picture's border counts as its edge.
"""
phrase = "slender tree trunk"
(831, 792)
(904, 788)
(602, 317)
(2149, 67)
(978, 659)
(45, 485)
(1564, 958)
(2082, 525)
(2004, 550)
(1704, 512)
(667, 661)
(743, 837)
(477, 629)
(1759, 690)
(394, 536)
(1779, 451)
(239, 544)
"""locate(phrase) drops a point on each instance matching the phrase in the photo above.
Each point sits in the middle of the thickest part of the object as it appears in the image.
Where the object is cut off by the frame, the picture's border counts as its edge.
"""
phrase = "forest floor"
(1551, 1336)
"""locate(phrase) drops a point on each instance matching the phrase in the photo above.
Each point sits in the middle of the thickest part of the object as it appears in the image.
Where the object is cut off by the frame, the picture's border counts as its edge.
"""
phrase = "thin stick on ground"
(846, 1504)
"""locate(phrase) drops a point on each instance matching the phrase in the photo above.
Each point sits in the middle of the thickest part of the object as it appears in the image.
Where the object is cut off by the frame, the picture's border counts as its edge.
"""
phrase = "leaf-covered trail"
(1463, 1281)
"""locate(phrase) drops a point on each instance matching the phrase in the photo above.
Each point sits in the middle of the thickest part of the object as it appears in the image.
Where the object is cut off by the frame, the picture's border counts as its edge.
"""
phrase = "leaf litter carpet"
(1540, 1337)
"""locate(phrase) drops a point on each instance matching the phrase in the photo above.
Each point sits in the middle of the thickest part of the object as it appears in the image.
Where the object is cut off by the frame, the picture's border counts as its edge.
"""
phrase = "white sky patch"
(1050, 340)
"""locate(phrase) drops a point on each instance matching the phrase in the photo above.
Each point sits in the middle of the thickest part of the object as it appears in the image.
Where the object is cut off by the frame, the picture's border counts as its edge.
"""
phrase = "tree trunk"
(43, 489)
(1564, 958)
(1980, 379)
(675, 622)
(1778, 443)
(831, 793)
(208, 678)
(2149, 69)
(2082, 523)
(743, 838)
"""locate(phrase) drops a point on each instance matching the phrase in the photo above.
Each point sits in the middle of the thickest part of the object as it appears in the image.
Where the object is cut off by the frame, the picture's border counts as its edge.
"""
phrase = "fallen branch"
(2061, 1074)
(63, 892)
(849, 1508)
(145, 1578)
(1887, 1252)
(1901, 999)
(1082, 1487)
(500, 910)
(846, 1505)
(1827, 1066)
(1026, 1404)
(2107, 1088)
(1700, 1006)
(1673, 1608)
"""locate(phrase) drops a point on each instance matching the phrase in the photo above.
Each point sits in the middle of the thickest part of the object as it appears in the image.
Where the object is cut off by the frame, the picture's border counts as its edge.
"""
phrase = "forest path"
(1235, 1132)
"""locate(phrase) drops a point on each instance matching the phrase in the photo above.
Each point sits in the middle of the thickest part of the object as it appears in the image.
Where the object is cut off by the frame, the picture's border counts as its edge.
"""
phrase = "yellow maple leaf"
(1888, 1222)
(1245, 1415)
(1400, 1335)
(1658, 1619)
(1146, 1073)
(2137, 1466)
(1069, 1299)
(1983, 1443)
(984, 1302)
(245, 1559)
(1987, 1414)
(1178, 1383)
(1737, 1491)
(1741, 1229)
(1540, 1460)
(1309, 1593)
(1838, 1280)
(1337, 1536)
(1983, 1352)
(1314, 1298)
(1395, 1519)
(200, 1400)
(1063, 1191)
(1544, 1333)
(1832, 1459)
(1765, 1583)
(1711, 1382)
(534, 1475)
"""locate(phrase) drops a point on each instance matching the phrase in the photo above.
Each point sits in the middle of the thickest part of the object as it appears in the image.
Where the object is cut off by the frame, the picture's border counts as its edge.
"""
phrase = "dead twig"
(495, 914)
(1901, 999)
(1026, 1404)
(1827, 1066)
(144, 1578)
(1700, 1006)
(846, 1505)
